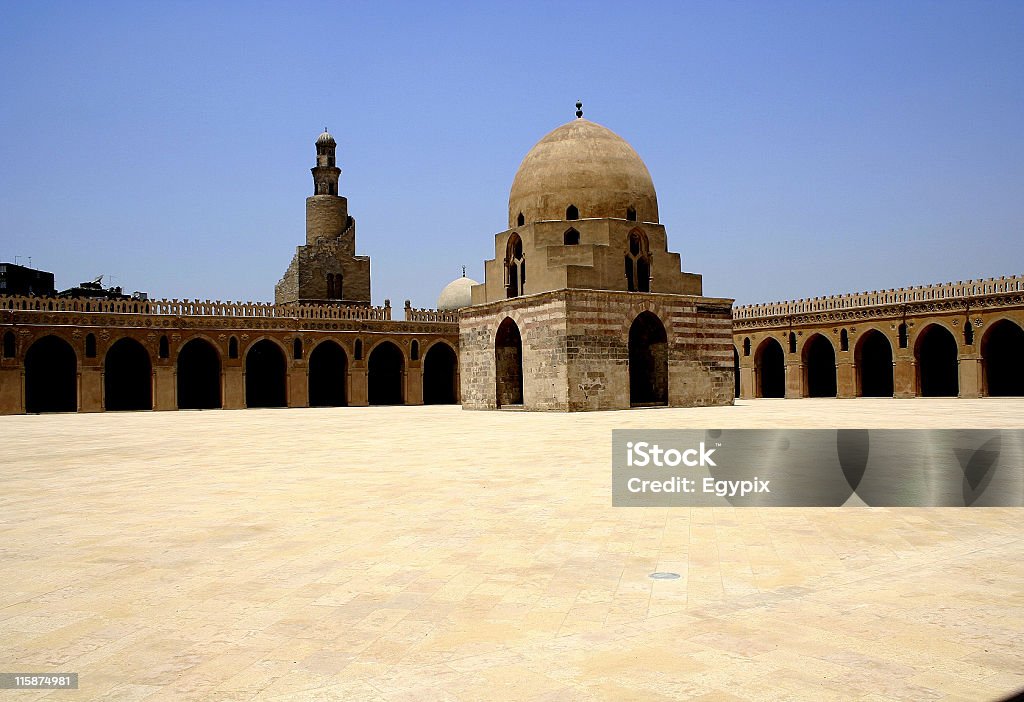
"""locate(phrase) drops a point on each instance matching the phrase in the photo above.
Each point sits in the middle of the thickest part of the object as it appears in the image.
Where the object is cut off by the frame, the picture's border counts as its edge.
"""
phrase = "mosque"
(583, 307)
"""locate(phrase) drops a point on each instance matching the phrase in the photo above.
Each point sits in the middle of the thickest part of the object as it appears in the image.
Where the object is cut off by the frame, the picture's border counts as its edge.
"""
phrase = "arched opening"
(571, 212)
(819, 357)
(508, 364)
(199, 376)
(873, 357)
(638, 263)
(1002, 358)
(968, 333)
(515, 267)
(51, 376)
(359, 349)
(937, 363)
(736, 371)
(297, 349)
(844, 341)
(328, 373)
(165, 347)
(520, 220)
(648, 361)
(9, 345)
(265, 375)
(127, 377)
(746, 346)
(631, 214)
(440, 375)
(792, 342)
(901, 335)
(90, 346)
(386, 375)
(770, 369)
(414, 350)
(571, 237)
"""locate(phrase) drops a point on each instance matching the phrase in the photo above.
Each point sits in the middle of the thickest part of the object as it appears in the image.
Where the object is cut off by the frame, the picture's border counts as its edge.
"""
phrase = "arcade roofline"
(895, 296)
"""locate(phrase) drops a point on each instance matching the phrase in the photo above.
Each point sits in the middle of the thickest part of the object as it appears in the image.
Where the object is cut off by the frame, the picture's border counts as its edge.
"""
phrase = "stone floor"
(427, 553)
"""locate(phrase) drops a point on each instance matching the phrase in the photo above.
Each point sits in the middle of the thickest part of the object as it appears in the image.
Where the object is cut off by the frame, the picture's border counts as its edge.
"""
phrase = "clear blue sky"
(798, 148)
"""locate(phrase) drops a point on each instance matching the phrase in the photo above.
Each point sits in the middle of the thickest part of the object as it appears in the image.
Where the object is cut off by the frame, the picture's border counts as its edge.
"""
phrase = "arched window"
(903, 335)
(414, 352)
(844, 341)
(571, 212)
(233, 348)
(515, 267)
(90, 346)
(297, 349)
(571, 237)
(969, 333)
(9, 345)
(792, 342)
(359, 350)
(746, 346)
(330, 286)
(165, 347)
(631, 214)
(520, 220)
(638, 263)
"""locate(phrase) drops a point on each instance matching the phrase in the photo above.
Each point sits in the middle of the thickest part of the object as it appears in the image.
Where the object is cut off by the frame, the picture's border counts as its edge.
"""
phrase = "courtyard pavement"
(430, 553)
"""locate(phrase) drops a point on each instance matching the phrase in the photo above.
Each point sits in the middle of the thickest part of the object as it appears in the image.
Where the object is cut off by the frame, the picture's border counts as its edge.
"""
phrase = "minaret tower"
(326, 270)
(326, 211)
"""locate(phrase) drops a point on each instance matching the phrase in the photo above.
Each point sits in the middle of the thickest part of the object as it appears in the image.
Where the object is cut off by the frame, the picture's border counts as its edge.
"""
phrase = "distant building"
(22, 280)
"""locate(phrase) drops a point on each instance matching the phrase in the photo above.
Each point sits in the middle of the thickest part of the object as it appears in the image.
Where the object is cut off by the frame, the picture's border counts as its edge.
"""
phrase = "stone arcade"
(583, 307)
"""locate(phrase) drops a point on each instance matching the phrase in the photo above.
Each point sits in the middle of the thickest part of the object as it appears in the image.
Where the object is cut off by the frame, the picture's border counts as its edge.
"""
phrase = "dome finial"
(463, 271)
(579, 110)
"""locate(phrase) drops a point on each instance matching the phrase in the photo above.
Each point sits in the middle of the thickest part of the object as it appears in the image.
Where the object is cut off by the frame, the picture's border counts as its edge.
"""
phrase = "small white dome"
(457, 294)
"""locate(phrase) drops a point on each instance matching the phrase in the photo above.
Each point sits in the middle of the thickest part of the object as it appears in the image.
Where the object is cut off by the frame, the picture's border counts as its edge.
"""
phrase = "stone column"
(165, 388)
(12, 390)
(414, 383)
(969, 367)
(904, 376)
(357, 384)
(234, 387)
(90, 389)
(846, 379)
(794, 378)
(298, 385)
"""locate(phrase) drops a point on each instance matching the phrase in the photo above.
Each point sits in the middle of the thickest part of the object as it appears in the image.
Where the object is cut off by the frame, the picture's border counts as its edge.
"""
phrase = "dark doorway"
(508, 364)
(937, 363)
(328, 373)
(265, 375)
(648, 361)
(51, 376)
(127, 377)
(770, 366)
(198, 376)
(1002, 357)
(820, 367)
(386, 375)
(736, 371)
(874, 365)
(440, 376)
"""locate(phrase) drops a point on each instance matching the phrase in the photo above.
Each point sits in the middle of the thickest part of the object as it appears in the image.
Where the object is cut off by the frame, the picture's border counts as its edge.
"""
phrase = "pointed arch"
(266, 375)
(770, 369)
(648, 361)
(127, 376)
(819, 361)
(440, 375)
(937, 362)
(1002, 357)
(386, 374)
(199, 375)
(51, 376)
(874, 364)
(508, 364)
(328, 375)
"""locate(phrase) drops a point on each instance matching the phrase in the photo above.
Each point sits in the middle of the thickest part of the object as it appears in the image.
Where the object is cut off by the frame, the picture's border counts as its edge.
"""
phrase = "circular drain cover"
(665, 576)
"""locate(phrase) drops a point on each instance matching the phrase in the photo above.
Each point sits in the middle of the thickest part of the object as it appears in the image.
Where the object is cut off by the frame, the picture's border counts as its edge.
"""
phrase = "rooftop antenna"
(579, 110)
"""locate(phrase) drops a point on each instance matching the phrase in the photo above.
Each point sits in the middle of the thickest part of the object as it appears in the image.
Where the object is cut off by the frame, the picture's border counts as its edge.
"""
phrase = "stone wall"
(576, 349)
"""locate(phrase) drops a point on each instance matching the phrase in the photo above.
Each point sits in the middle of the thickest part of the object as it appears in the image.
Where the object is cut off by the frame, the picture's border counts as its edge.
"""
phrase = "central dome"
(583, 165)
